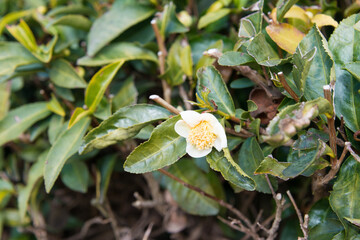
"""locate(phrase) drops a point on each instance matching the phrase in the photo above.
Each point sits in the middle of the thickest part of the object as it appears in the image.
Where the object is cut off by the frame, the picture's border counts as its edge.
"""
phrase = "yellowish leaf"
(298, 13)
(285, 35)
(324, 20)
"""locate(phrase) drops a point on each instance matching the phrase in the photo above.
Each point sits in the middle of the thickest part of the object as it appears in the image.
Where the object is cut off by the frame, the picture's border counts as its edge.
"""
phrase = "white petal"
(182, 128)
(196, 153)
(217, 144)
(192, 118)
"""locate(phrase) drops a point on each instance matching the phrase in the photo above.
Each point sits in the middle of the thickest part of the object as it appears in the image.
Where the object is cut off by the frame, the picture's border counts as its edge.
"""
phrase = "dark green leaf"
(20, 119)
(354, 69)
(189, 200)
(64, 147)
(123, 14)
(242, 83)
(262, 51)
(211, 79)
(64, 75)
(116, 52)
(164, 148)
(75, 175)
(124, 124)
(126, 96)
(106, 166)
(271, 166)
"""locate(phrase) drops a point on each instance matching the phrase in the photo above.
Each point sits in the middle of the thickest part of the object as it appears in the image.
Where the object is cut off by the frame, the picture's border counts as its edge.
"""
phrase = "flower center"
(202, 136)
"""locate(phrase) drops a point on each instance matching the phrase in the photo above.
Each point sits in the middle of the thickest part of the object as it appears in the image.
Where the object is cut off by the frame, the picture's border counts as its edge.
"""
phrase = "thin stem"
(331, 124)
(184, 97)
(219, 201)
(164, 103)
(352, 152)
(287, 87)
(303, 229)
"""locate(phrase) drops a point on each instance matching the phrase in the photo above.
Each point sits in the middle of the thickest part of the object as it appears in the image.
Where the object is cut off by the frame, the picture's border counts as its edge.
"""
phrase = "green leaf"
(212, 17)
(13, 55)
(232, 58)
(55, 126)
(174, 72)
(168, 21)
(55, 106)
(64, 75)
(116, 52)
(346, 193)
(250, 157)
(23, 34)
(35, 174)
(190, 200)
(106, 167)
(99, 83)
(123, 15)
(319, 71)
(249, 26)
(186, 62)
(64, 147)
(271, 166)
(122, 125)
(344, 46)
(230, 170)
(5, 92)
(211, 79)
(72, 20)
(77, 115)
(6, 192)
(242, 83)
(294, 118)
(353, 68)
(282, 6)
(126, 96)
(70, 9)
(11, 17)
(262, 51)
(75, 175)
(164, 148)
(20, 119)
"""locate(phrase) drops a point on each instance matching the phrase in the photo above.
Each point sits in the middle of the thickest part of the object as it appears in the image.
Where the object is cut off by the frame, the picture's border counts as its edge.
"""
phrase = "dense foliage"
(101, 134)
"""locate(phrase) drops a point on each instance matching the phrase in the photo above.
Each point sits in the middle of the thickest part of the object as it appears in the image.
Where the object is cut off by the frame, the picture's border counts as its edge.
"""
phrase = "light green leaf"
(116, 52)
(190, 200)
(249, 26)
(77, 115)
(75, 175)
(164, 148)
(354, 69)
(13, 55)
(211, 79)
(20, 119)
(122, 125)
(230, 170)
(346, 194)
(186, 62)
(64, 147)
(126, 96)
(344, 46)
(122, 15)
(213, 17)
(271, 166)
(5, 92)
(13, 16)
(262, 51)
(54, 106)
(35, 174)
(64, 75)
(232, 58)
(55, 126)
(250, 157)
(294, 118)
(282, 6)
(319, 71)
(72, 20)
(174, 74)
(99, 83)
(168, 21)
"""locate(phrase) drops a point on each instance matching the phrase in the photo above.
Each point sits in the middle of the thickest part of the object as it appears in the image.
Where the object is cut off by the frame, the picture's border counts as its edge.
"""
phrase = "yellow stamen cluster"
(202, 136)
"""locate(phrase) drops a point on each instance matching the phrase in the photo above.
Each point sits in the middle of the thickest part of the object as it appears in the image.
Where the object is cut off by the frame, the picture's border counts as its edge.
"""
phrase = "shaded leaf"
(20, 119)
(106, 166)
(232, 58)
(271, 166)
(168, 21)
(242, 83)
(75, 175)
(64, 147)
(64, 75)
(212, 17)
(72, 20)
(211, 79)
(164, 148)
(126, 96)
(55, 126)
(122, 125)
(122, 15)
(190, 200)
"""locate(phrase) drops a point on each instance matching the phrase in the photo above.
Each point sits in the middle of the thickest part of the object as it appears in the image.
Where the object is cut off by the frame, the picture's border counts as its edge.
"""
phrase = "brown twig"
(352, 152)
(164, 103)
(243, 133)
(287, 87)
(331, 124)
(184, 97)
(148, 231)
(303, 225)
(162, 57)
(85, 228)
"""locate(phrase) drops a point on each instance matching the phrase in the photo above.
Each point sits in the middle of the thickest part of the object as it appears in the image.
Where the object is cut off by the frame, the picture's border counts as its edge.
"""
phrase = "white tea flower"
(202, 132)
